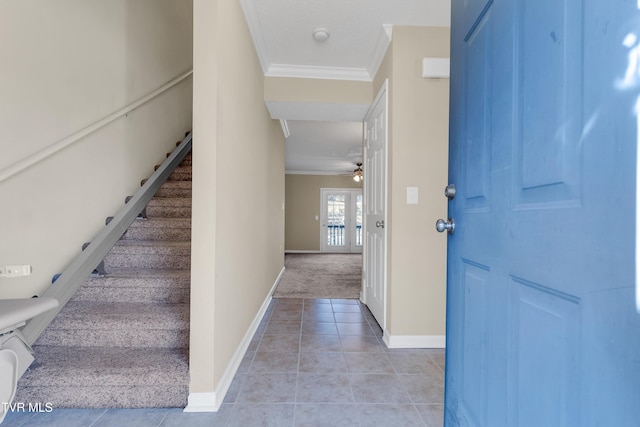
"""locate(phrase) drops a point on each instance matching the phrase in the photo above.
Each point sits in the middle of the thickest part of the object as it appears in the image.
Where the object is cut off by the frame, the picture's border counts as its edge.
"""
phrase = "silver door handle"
(448, 225)
(380, 224)
(450, 191)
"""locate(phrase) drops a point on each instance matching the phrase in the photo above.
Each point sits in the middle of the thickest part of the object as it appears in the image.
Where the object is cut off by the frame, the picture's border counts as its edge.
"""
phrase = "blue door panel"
(549, 51)
(475, 341)
(544, 364)
(477, 113)
(542, 328)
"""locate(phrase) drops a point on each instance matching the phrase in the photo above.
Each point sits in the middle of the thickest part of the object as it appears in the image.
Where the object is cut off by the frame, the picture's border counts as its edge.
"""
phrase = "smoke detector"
(320, 34)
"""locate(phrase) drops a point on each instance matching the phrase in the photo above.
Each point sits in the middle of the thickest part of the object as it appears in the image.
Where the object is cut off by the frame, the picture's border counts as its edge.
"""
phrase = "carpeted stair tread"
(173, 201)
(106, 377)
(149, 254)
(100, 316)
(128, 397)
(174, 189)
(181, 173)
(137, 285)
(143, 278)
(160, 222)
(151, 246)
(149, 295)
(89, 324)
(159, 229)
(177, 184)
(176, 207)
(125, 337)
(173, 192)
(117, 366)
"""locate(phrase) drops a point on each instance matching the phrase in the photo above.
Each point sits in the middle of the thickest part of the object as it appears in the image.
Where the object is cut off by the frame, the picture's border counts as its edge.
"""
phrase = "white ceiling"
(324, 139)
(318, 147)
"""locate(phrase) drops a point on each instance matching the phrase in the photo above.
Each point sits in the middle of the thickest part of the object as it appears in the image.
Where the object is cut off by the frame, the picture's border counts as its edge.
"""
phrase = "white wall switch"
(412, 195)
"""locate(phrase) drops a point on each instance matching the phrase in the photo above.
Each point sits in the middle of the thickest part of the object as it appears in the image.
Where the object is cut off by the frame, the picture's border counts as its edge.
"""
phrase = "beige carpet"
(321, 276)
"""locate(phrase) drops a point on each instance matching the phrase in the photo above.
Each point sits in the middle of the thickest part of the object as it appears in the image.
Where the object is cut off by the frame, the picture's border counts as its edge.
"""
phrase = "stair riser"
(182, 175)
(173, 192)
(159, 261)
(174, 396)
(120, 337)
(157, 233)
(138, 295)
(119, 282)
(169, 211)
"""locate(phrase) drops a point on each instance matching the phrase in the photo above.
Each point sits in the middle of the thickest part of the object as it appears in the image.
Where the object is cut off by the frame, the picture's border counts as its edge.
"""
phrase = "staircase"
(122, 340)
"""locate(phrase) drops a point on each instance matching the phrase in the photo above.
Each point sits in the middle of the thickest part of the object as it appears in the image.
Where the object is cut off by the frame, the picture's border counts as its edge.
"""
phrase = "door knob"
(448, 225)
(450, 191)
(380, 224)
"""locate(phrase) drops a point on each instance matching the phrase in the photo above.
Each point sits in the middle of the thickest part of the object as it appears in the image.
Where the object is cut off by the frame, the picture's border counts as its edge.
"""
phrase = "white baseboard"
(414, 341)
(202, 402)
(211, 402)
(287, 251)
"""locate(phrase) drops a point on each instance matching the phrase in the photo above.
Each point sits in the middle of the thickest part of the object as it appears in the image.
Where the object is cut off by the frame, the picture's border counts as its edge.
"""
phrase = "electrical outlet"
(2, 273)
(17, 270)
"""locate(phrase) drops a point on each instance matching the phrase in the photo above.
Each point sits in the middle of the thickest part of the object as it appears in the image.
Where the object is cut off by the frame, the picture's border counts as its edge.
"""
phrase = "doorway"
(341, 225)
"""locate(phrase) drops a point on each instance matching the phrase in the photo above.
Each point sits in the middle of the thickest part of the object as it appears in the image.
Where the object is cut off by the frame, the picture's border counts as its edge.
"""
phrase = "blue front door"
(542, 328)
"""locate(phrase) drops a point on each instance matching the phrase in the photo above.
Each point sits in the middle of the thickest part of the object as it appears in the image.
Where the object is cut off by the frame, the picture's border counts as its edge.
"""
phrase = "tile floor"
(312, 362)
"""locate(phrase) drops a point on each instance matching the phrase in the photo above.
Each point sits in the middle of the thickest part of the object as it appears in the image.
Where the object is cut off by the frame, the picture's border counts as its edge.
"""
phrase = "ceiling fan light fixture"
(358, 174)
(320, 34)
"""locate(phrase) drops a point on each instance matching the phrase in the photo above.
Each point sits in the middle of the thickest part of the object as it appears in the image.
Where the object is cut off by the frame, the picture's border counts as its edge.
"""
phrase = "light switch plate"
(412, 195)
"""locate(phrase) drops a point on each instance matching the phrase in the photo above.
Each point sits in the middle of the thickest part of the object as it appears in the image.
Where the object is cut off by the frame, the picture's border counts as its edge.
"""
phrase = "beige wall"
(290, 89)
(291, 98)
(238, 192)
(66, 65)
(418, 157)
(302, 196)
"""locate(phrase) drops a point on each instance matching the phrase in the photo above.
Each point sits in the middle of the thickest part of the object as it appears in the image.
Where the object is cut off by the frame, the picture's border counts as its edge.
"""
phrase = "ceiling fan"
(358, 173)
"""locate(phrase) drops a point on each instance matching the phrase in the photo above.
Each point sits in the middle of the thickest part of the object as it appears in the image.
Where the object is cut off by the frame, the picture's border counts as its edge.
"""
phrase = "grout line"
(166, 414)
(98, 417)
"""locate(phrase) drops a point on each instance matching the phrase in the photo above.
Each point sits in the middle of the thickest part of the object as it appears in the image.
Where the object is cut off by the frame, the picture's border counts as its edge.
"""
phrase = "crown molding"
(284, 110)
(285, 128)
(313, 172)
(255, 29)
(384, 40)
(311, 72)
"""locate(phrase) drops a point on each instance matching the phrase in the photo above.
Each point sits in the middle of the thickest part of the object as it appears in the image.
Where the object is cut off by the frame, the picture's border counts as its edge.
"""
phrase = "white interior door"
(375, 208)
(341, 226)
